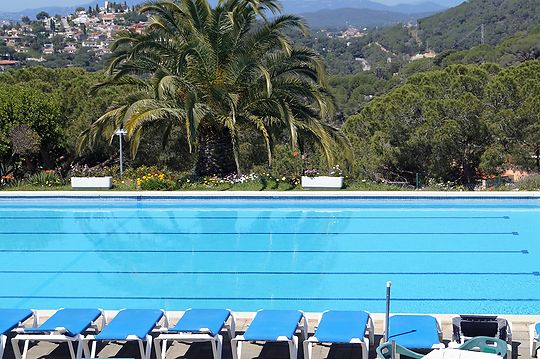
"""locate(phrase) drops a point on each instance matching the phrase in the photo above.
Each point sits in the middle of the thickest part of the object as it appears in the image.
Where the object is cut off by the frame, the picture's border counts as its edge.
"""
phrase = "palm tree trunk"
(216, 155)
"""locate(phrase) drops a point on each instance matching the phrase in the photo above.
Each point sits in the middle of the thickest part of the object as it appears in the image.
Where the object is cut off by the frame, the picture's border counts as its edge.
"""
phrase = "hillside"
(460, 27)
(518, 48)
(339, 18)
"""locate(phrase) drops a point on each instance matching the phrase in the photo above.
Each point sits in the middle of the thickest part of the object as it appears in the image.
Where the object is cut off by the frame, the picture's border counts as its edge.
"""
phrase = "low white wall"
(91, 182)
(322, 182)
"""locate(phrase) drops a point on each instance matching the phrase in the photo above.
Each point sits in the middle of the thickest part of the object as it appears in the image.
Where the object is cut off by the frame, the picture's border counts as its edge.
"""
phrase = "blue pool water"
(443, 256)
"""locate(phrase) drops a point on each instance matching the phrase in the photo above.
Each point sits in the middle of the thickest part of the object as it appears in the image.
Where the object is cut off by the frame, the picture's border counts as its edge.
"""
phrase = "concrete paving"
(270, 350)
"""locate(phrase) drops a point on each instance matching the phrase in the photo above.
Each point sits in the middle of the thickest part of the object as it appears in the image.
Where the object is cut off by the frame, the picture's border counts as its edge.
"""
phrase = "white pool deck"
(520, 323)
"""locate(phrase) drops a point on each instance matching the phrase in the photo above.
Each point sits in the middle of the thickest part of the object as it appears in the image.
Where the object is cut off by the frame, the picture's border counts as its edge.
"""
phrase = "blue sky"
(8, 5)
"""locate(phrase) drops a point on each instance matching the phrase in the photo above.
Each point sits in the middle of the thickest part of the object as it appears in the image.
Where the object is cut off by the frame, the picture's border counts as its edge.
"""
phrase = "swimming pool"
(442, 255)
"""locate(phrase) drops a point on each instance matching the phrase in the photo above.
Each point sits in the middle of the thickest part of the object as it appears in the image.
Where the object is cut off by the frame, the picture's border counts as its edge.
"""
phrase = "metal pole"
(387, 314)
(121, 132)
(121, 159)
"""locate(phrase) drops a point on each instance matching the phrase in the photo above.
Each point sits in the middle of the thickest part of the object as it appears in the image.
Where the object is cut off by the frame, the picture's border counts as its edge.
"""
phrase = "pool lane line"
(214, 298)
(523, 251)
(257, 217)
(225, 273)
(260, 233)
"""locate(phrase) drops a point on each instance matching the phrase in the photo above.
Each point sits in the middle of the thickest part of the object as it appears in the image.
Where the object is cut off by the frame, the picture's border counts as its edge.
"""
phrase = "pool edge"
(273, 194)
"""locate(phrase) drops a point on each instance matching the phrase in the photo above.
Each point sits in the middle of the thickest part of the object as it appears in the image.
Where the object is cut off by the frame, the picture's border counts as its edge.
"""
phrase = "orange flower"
(295, 153)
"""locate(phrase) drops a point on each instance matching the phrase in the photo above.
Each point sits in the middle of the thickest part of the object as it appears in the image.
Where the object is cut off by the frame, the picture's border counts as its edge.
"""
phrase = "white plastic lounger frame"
(364, 342)
(3, 337)
(58, 336)
(236, 343)
(440, 332)
(145, 351)
(535, 342)
(455, 344)
(215, 340)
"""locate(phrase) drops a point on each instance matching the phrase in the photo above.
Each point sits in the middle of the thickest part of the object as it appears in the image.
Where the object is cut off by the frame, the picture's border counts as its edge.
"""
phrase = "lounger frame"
(3, 337)
(59, 335)
(456, 343)
(534, 341)
(302, 329)
(144, 350)
(364, 342)
(215, 340)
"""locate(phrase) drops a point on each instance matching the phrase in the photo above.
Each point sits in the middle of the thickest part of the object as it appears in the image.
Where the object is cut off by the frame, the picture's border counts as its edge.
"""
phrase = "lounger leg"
(371, 329)
(217, 346)
(214, 345)
(80, 346)
(141, 348)
(71, 351)
(160, 353)
(25, 348)
(532, 342)
(93, 351)
(16, 349)
(3, 340)
(236, 348)
(364, 350)
(305, 329)
(232, 327)
(293, 348)
(86, 349)
(308, 348)
(148, 346)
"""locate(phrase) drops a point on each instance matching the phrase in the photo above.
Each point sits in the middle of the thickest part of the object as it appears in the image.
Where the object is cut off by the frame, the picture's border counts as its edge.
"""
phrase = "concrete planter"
(322, 182)
(91, 182)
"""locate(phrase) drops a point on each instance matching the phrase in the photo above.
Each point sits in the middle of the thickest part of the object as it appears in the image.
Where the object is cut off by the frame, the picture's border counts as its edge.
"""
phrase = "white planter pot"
(322, 182)
(91, 182)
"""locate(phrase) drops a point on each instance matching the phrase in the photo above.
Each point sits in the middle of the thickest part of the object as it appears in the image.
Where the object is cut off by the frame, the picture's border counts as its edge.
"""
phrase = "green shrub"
(46, 179)
(96, 171)
(529, 183)
(156, 182)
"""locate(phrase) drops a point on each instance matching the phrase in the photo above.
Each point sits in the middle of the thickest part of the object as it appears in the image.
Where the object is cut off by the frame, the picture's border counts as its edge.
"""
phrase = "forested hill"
(460, 27)
(513, 50)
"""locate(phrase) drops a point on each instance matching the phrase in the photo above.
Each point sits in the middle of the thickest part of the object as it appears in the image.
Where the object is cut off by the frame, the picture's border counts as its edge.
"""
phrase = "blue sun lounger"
(342, 327)
(129, 325)
(66, 325)
(9, 320)
(198, 325)
(273, 326)
(415, 331)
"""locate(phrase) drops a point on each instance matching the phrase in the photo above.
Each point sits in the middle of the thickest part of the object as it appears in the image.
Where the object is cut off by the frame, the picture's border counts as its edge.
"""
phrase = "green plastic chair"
(482, 344)
(384, 351)
(486, 345)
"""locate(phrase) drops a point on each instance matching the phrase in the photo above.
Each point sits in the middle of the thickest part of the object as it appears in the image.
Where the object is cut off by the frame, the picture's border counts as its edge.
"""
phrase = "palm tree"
(213, 71)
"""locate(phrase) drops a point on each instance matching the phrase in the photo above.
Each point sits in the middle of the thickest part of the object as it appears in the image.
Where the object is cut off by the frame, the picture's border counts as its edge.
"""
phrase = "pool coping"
(272, 194)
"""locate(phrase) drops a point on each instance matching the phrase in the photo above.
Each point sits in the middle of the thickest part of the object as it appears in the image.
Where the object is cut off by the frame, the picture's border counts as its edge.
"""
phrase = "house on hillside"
(426, 55)
(8, 64)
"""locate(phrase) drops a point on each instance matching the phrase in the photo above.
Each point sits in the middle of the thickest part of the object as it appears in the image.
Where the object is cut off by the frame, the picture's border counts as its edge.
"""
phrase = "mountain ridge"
(339, 18)
(290, 6)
